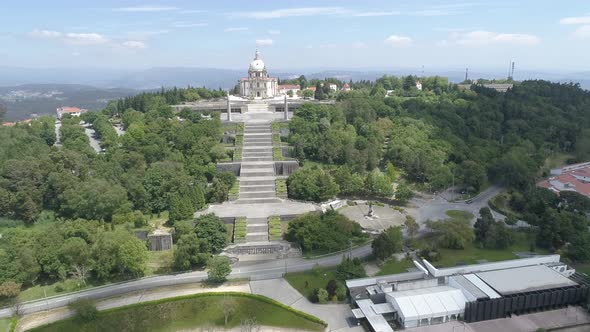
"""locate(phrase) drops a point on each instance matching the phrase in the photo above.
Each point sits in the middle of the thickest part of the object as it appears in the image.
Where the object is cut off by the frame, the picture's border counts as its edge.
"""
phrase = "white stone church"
(258, 85)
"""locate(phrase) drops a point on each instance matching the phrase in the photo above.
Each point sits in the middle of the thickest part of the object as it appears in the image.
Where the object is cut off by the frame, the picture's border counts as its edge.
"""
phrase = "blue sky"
(537, 34)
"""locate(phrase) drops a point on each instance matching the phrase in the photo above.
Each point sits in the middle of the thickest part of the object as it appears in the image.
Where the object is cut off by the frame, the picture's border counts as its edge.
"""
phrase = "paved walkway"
(231, 209)
(336, 315)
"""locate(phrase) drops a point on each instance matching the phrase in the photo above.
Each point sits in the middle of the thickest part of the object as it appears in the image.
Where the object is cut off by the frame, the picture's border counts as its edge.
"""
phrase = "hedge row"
(240, 226)
(275, 230)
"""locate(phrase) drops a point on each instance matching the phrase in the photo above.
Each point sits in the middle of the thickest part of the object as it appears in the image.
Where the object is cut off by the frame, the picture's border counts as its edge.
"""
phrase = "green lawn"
(392, 266)
(189, 313)
(472, 254)
(60, 287)
(159, 262)
(582, 268)
(306, 282)
(4, 324)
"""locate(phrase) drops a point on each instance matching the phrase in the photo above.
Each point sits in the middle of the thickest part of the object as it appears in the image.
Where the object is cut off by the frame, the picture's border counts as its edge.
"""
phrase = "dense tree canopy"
(328, 231)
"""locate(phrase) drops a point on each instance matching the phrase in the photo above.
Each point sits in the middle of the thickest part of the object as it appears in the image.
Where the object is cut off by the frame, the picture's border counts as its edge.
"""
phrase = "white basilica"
(258, 85)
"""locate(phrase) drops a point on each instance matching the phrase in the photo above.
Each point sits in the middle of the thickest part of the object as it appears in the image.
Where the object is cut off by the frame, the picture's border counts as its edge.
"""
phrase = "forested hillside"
(444, 133)
(441, 136)
(72, 198)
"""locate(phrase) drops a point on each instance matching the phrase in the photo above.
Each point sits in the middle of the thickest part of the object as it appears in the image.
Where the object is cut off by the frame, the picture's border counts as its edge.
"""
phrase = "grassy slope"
(4, 324)
(316, 278)
(392, 266)
(187, 313)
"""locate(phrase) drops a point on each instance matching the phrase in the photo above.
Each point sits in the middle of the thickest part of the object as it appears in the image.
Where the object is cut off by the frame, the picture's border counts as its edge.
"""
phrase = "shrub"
(84, 309)
(341, 292)
(322, 296)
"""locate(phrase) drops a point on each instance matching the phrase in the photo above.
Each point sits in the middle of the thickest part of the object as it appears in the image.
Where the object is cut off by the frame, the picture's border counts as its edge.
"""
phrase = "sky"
(386, 34)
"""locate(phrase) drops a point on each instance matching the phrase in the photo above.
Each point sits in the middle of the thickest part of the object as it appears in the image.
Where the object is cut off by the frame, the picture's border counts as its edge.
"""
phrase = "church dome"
(257, 64)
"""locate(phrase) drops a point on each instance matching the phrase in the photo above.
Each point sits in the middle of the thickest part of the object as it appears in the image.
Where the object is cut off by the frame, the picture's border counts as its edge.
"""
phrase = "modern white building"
(471, 292)
(258, 85)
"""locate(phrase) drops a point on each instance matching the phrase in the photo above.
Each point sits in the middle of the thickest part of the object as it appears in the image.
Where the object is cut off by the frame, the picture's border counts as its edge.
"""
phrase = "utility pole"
(350, 252)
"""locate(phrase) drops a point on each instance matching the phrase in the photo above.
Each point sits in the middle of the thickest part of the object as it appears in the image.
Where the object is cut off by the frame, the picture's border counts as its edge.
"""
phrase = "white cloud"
(85, 38)
(189, 25)
(143, 35)
(373, 14)
(236, 29)
(144, 9)
(582, 32)
(45, 34)
(274, 32)
(481, 37)
(396, 40)
(575, 20)
(134, 45)
(292, 12)
(264, 42)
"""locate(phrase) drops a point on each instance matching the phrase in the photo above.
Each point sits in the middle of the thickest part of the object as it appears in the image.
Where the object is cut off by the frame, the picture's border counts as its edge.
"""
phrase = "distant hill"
(92, 88)
(25, 100)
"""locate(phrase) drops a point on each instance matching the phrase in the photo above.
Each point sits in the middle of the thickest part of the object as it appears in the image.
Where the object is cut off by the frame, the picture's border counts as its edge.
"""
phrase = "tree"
(307, 93)
(228, 307)
(212, 229)
(9, 289)
(575, 201)
(453, 233)
(483, 224)
(290, 93)
(132, 256)
(324, 232)
(96, 199)
(76, 254)
(218, 269)
(378, 184)
(473, 174)
(319, 92)
(387, 243)
(312, 184)
(403, 193)
(180, 208)
(190, 251)
(249, 325)
(322, 296)
(350, 269)
(84, 309)
(411, 226)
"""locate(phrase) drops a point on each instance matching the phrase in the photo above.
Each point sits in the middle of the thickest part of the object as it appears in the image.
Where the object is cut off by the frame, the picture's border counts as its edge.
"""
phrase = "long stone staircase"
(257, 176)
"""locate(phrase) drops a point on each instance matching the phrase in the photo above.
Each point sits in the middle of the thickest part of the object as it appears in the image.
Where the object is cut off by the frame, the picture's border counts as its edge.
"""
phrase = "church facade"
(258, 85)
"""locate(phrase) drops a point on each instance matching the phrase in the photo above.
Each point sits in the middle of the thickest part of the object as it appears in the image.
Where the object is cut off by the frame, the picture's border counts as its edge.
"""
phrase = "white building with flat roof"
(470, 292)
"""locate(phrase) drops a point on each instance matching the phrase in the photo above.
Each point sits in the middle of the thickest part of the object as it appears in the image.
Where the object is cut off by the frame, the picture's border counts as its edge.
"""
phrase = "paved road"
(434, 208)
(254, 270)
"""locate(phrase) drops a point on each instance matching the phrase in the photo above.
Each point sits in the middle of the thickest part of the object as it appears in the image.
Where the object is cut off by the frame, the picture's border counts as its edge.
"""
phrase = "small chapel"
(258, 85)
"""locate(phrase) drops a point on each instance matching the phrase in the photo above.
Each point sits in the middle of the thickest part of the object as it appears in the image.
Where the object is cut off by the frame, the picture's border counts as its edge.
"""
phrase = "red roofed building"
(73, 111)
(569, 178)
